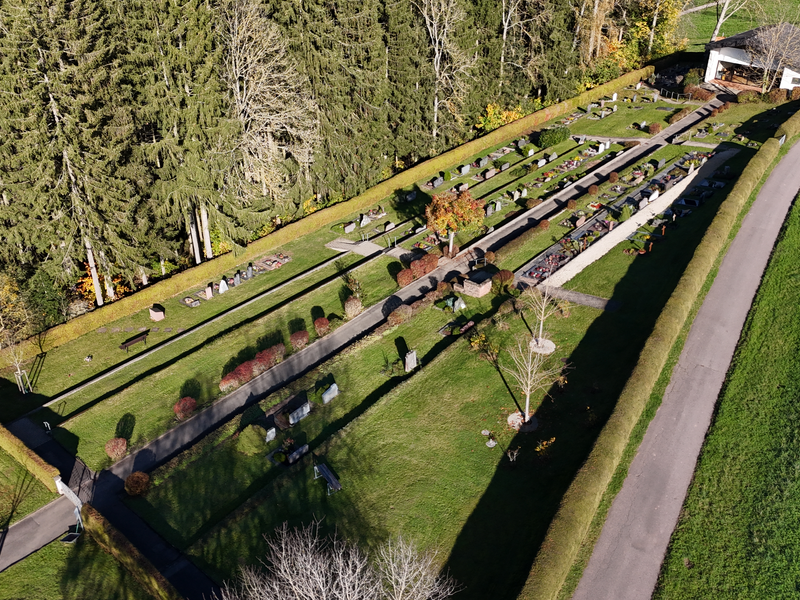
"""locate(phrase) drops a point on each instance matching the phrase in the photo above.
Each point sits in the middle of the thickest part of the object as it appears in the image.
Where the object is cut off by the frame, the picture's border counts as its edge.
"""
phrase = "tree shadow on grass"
(394, 268)
(125, 426)
(317, 312)
(494, 551)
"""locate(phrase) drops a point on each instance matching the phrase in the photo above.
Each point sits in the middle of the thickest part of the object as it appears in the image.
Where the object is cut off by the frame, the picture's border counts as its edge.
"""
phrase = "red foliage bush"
(725, 106)
(572, 205)
(533, 202)
(117, 448)
(400, 315)
(444, 288)
(654, 128)
(796, 93)
(777, 96)
(184, 407)
(449, 254)
(430, 262)
(137, 483)
(613, 177)
(699, 93)
(405, 277)
(266, 359)
(630, 144)
(715, 112)
(299, 340)
(593, 189)
(322, 326)
(544, 224)
(352, 307)
(417, 269)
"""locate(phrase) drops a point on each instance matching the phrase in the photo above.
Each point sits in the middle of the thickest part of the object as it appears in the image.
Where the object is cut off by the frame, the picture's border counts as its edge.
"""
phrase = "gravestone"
(542, 162)
(350, 227)
(589, 108)
(653, 195)
(223, 286)
(521, 143)
(498, 205)
(365, 220)
(459, 304)
(209, 291)
(420, 229)
(638, 85)
(532, 151)
(514, 196)
(463, 187)
(614, 97)
(489, 210)
(271, 433)
(635, 96)
(297, 454)
(524, 193)
(602, 104)
(438, 181)
(250, 270)
(661, 163)
(463, 169)
(552, 157)
(782, 141)
(411, 361)
(642, 203)
(655, 97)
(330, 393)
(300, 413)
(580, 221)
(581, 140)
(411, 196)
(483, 161)
(389, 226)
(505, 166)
(614, 108)
(237, 278)
(490, 173)
(156, 313)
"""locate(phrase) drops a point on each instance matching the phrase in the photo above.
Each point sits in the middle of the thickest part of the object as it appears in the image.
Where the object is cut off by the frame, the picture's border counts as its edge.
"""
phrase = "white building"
(742, 58)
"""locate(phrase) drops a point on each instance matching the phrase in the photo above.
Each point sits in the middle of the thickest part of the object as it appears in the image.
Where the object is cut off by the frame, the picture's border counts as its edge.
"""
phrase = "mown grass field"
(737, 536)
(697, 27)
(20, 492)
(69, 572)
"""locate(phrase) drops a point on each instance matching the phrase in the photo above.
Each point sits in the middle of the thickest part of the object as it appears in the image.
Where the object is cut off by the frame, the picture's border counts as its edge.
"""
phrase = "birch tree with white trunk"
(529, 369)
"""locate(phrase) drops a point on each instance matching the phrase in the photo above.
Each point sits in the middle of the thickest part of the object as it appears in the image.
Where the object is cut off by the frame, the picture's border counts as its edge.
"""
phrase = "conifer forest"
(143, 136)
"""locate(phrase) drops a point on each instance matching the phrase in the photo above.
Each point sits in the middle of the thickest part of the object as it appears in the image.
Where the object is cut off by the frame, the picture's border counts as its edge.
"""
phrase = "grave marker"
(300, 413)
(490, 173)
(552, 157)
(661, 163)
(411, 196)
(411, 361)
(330, 393)
(653, 195)
(614, 98)
(489, 210)
(463, 187)
(250, 270)
(270, 434)
(532, 151)
(498, 205)
(365, 220)
(505, 166)
(524, 193)
(350, 227)
(210, 291)
(389, 226)
(237, 278)
(483, 161)
(223, 286)
(438, 181)
(298, 454)
(464, 169)
(580, 221)
(542, 162)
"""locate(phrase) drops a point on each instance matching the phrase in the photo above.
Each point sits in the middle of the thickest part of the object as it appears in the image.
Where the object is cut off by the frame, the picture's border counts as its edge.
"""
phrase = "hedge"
(117, 545)
(579, 504)
(207, 271)
(35, 465)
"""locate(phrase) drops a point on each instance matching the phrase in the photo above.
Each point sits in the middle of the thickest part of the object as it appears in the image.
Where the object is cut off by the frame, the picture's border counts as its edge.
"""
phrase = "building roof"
(760, 37)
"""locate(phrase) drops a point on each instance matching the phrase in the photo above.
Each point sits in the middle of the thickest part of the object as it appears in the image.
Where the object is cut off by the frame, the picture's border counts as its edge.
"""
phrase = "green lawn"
(20, 492)
(69, 572)
(196, 370)
(738, 528)
(756, 122)
(697, 27)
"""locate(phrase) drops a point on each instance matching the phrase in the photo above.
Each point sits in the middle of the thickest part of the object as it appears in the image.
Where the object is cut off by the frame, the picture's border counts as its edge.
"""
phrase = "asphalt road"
(627, 558)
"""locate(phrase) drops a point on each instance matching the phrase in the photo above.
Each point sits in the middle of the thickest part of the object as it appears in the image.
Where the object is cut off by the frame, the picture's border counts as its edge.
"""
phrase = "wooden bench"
(132, 341)
(324, 472)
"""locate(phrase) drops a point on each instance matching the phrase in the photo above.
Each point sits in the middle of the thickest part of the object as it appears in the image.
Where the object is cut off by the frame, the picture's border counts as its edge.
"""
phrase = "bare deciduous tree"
(300, 565)
(541, 304)
(270, 97)
(775, 47)
(529, 370)
(725, 10)
(451, 64)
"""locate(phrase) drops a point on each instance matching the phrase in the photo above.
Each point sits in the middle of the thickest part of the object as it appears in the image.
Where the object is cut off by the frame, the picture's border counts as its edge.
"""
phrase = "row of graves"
(591, 225)
(262, 265)
(587, 158)
(366, 219)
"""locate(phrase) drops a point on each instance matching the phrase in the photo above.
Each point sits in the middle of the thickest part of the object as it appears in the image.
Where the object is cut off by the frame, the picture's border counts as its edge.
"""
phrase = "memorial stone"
(542, 162)
(365, 220)
(490, 173)
(420, 229)
(438, 181)
(156, 313)
(350, 227)
(464, 169)
(524, 192)
(661, 163)
(638, 84)
(463, 187)
(581, 139)
(531, 151)
(209, 291)
(489, 210)
(614, 108)
(297, 454)
(643, 125)
(505, 166)
(411, 361)
(552, 157)
(635, 96)
(483, 161)
(642, 203)
(271, 433)
(250, 270)
(389, 226)
(411, 196)
(614, 97)
(580, 221)
(459, 304)
(653, 195)
(330, 393)
(300, 413)
(498, 205)
(223, 286)
(237, 279)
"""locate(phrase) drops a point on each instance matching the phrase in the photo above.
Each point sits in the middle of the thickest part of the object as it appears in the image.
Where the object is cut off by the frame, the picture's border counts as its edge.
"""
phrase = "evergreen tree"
(66, 158)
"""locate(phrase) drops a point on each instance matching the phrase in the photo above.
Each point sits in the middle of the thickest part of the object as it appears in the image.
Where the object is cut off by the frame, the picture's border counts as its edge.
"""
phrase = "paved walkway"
(627, 557)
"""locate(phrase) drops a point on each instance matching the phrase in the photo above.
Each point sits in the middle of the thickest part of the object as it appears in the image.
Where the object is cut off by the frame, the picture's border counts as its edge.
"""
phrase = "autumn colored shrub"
(748, 97)
(572, 205)
(450, 254)
(533, 202)
(444, 288)
(117, 448)
(266, 359)
(405, 277)
(777, 96)
(714, 112)
(593, 189)
(501, 281)
(430, 262)
(489, 256)
(400, 315)
(681, 114)
(725, 106)
(299, 340)
(544, 225)
(613, 177)
(654, 128)
(322, 326)
(184, 407)
(699, 93)
(630, 144)
(796, 93)
(352, 307)
(137, 484)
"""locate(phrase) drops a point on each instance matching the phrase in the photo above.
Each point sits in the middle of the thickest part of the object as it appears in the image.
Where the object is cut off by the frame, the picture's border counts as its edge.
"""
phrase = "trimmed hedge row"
(36, 466)
(207, 271)
(117, 545)
(579, 505)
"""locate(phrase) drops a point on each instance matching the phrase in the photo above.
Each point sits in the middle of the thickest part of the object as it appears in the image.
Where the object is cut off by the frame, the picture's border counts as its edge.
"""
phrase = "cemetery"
(363, 423)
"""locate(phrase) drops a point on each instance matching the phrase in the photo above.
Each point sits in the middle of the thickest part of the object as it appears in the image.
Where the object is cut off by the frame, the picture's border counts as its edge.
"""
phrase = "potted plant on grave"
(279, 457)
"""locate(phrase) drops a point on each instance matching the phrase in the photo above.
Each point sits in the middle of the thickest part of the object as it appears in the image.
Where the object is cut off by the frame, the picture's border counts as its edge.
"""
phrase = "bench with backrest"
(324, 472)
(127, 344)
